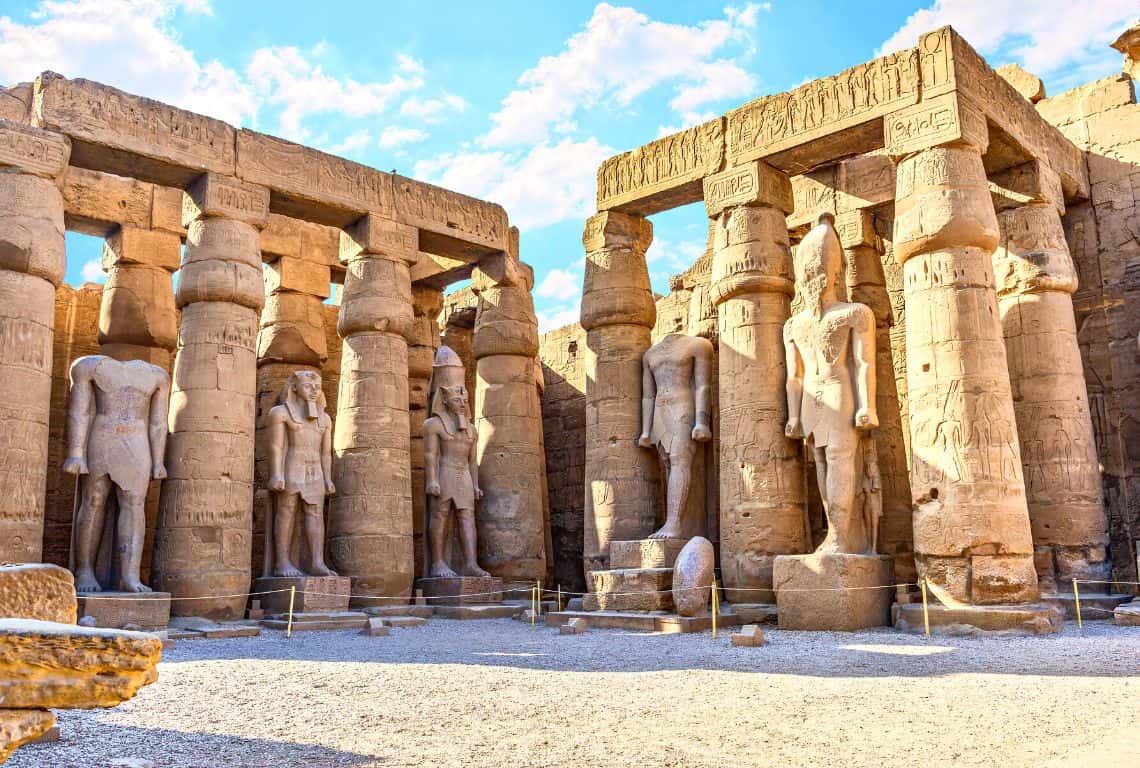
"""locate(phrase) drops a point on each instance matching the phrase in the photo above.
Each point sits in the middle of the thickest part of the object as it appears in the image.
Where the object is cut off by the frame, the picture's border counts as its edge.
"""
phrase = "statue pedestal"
(149, 611)
(833, 591)
(462, 590)
(315, 594)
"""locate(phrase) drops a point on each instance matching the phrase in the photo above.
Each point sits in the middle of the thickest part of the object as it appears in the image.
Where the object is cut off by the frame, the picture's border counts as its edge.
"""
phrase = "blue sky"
(517, 102)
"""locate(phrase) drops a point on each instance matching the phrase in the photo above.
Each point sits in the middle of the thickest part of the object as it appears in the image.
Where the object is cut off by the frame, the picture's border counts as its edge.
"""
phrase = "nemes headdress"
(299, 408)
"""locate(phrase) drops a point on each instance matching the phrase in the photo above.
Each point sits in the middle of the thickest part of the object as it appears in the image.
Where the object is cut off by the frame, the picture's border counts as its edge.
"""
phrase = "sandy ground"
(501, 693)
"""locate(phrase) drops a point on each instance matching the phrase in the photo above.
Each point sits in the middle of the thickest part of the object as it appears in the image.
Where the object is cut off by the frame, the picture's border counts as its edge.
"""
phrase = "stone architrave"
(116, 442)
(32, 264)
(370, 518)
(508, 416)
(761, 472)
(1035, 279)
(676, 418)
(204, 531)
(618, 313)
(971, 526)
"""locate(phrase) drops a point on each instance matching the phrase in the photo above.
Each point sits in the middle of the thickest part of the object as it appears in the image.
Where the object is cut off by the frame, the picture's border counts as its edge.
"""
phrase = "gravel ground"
(501, 693)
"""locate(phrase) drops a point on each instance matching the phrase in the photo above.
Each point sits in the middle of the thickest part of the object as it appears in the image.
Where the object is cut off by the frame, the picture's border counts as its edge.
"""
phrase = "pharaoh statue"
(830, 348)
(450, 470)
(300, 474)
(116, 440)
(675, 417)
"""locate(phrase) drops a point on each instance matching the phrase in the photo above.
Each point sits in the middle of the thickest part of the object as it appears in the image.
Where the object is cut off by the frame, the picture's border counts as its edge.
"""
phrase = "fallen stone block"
(404, 622)
(749, 636)
(37, 591)
(574, 627)
(20, 726)
(45, 665)
(1127, 615)
(574, 604)
(376, 628)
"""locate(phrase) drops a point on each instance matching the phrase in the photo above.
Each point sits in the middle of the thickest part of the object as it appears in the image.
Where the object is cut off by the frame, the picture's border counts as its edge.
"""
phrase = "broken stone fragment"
(19, 726)
(37, 591)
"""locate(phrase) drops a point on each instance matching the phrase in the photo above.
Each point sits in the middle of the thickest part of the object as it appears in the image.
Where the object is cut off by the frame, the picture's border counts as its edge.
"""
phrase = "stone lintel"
(95, 203)
(34, 151)
(216, 196)
(1029, 182)
(286, 236)
(751, 183)
(374, 235)
(451, 223)
(298, 276)
(612, 228)
(944, 119)
(130, 245)
(856, 228)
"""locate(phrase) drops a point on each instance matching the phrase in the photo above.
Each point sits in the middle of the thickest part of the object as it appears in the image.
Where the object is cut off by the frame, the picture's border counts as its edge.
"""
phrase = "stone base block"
(1094, 607)
(574, 627)
(462, 590)
(1031, 619)
(645, 553)
(315, 594)
(384, 611)
(376, 628)
(755, 613)
(226, 632)
(749, 636)
(630, 589)
(464, 612)
(149, 611)
(405, 622)
(307, 622)
(668, 623)
(1127, 615)
(833, 592)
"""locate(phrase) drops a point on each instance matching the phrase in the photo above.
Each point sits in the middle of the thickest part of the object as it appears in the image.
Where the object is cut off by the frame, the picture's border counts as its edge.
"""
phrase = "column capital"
(214, 196)
(1033, 255)
(33, 150)
(751, 183)
(948, 118)
(856, 228)
(614, 229)
(378, 237)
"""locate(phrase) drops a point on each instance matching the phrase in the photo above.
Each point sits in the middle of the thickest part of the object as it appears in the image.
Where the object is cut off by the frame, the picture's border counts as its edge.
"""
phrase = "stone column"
(423, 340)
(618, 313)
(762, 503)
(971, 528)
(32, 264)
(291, 338)
(205, 520)
(1035, 279)
(370, 517)
(508, 417)
(137, 317)
(867, 284)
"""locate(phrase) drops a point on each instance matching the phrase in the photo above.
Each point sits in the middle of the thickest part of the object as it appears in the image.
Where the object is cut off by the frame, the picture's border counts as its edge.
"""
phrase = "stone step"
(304, 622)
(404, 622)
(384, 611)
(668, 623)
(477, 611)
(645, 553)
(630, 589)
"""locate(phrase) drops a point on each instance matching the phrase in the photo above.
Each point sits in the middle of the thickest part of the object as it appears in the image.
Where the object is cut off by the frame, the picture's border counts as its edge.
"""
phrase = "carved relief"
(661, 165)
(31, 150)
(940, 120)
(450, 213)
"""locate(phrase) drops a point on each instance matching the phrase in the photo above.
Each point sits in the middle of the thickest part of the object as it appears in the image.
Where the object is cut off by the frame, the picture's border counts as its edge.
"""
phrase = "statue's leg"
(315, 538)
(438, 537)
(829, 541)
(466, 520)
(88, 527)
(283, 522)
(839, 488)
(129, 537)
(679, 463)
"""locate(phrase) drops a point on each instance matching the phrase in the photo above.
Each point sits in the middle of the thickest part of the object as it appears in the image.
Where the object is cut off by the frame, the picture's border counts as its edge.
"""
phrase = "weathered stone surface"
(1026, 83)
(833, 591)
(630, 589)
(20, 726)
(645, 553)
(749, 636)
(96, 202)
(377, 628)
(148, 611)
(693, 577)
(461, 590)
(1127, 615)
(37, 591)
(46, 665)
(312, 594)
(1031, 619)
(940, 120)
(574, 627)
(32, 151)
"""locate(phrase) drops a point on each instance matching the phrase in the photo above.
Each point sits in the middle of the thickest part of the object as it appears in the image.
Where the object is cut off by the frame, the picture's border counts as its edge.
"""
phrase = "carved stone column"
(205, 522)
(137, 317)
(971, 527)
(32, 264)
(618, 313)
(1035, 279)
(762, 504)
(867, 284)
(291, 338)
(370, 517)
(423, 340)
(508, 416)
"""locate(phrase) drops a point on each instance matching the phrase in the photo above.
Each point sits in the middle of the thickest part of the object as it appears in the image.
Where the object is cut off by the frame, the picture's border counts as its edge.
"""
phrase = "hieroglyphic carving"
(449, 213)
(654, 177)
(939, 120)
(752, 183)
(32, 150)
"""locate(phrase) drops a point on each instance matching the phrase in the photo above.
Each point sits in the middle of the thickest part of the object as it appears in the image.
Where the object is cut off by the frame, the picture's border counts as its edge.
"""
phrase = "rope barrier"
(91, 596)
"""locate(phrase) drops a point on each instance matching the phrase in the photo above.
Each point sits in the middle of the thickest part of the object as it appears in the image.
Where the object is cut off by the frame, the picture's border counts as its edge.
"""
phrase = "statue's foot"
(320, 569)
(476, 571)
(442, 571)
(288, 571)
(667, 531)
(85, 581)
(134, 585)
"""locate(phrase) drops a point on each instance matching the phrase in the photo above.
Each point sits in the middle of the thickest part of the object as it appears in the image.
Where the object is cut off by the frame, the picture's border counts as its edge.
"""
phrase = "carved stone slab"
(833, 591)
(749, 183)
(314, 594)
(32, 150)
(149, 611)
(462, 590)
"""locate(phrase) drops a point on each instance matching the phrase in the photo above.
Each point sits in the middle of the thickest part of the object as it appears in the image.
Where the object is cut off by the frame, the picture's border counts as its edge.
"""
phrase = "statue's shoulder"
(278, 414)
(792, 325)
(85, 366)
(859, 316)
(432, 424)
(324, 420)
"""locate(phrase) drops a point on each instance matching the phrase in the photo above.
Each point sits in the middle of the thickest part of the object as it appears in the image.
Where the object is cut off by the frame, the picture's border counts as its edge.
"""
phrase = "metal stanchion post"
(1077, 600)
(289, 625)
(925, 610)
(715, 606)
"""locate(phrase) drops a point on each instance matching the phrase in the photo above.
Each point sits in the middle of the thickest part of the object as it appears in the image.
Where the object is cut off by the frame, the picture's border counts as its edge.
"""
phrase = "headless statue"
(116, 438)
(452, 480)
(300, 474)
(676, 416)
(830, 349)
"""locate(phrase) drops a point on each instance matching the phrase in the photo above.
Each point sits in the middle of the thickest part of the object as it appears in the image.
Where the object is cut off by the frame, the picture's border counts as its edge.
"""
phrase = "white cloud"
(544, 185)
(560, 284)
(667, 255)
(432, 110)
(93, 272)
(353, 143)
(392, 137)
(620, 55)
(1042, 37)
(557, 317)
(409, 64)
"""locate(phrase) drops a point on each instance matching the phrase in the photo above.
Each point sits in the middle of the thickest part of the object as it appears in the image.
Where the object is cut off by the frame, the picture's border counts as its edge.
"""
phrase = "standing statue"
(451, 473)
(675, 416)
(830, 349)
(116, 422)
(300, 471)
